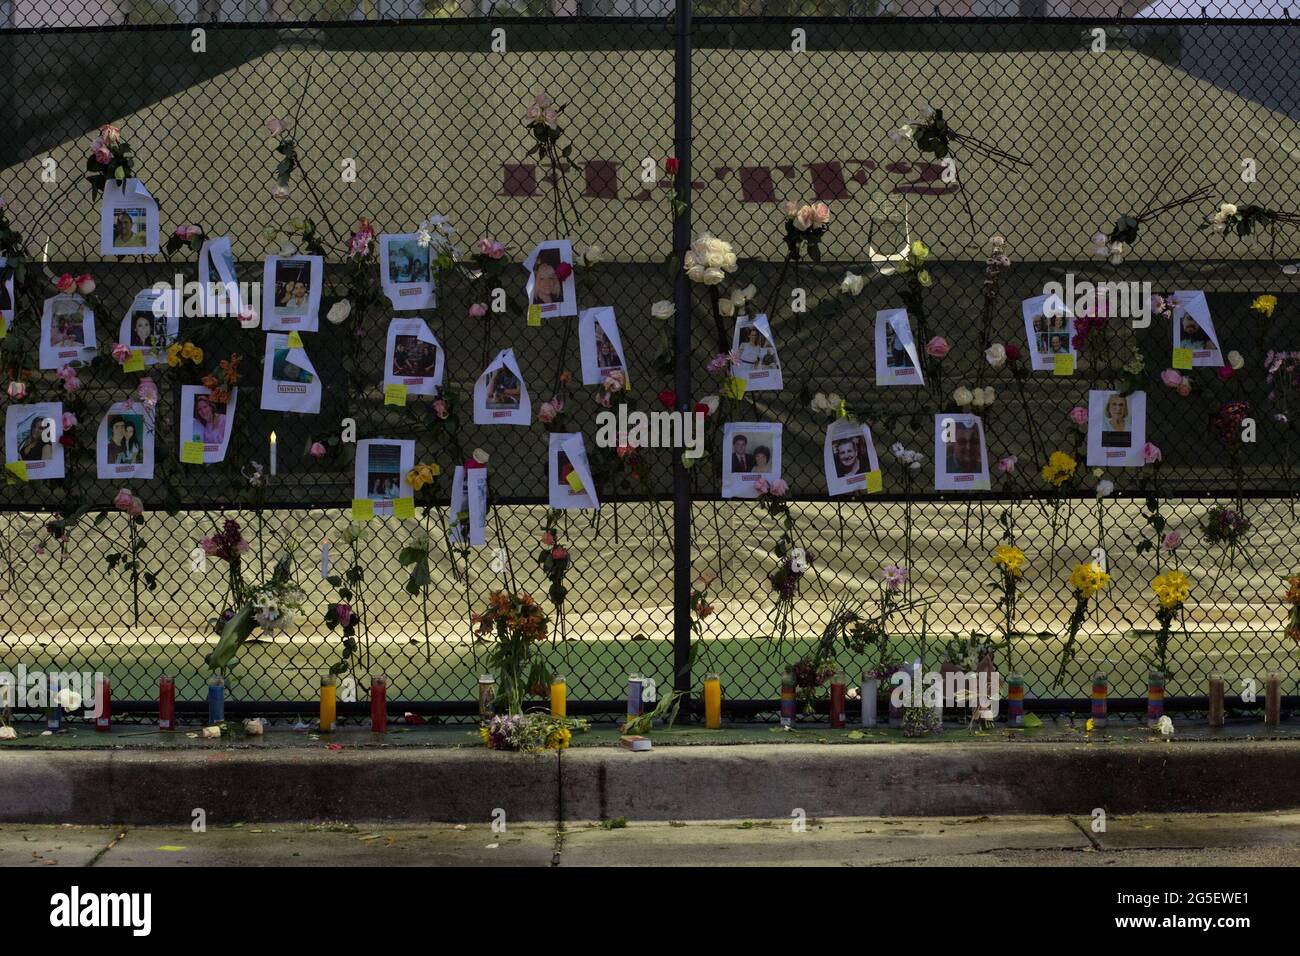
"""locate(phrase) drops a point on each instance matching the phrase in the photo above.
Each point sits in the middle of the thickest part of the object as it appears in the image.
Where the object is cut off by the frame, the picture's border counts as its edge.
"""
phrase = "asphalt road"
(1182, 840)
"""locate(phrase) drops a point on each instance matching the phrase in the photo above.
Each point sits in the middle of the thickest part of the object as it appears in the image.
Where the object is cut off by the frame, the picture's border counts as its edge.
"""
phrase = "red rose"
(668, 399)
(563, 271)
(1013, 352)
(65, 440)
(702, 409)
(672, 164)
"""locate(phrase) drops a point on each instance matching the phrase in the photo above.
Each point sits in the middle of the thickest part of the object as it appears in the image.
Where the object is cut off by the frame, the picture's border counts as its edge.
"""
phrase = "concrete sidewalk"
(231, 784)
(1178, 840)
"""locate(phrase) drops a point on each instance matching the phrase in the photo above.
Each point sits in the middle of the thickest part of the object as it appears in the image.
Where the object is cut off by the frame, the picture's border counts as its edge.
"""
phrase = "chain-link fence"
(1061, 126)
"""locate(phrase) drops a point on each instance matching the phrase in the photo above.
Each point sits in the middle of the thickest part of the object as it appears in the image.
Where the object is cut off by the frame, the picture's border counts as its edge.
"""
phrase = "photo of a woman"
(850, 456)
(1117, 428)
(209, 425)
(34, 447)
(1193, 336)
(292, 286)
(762, 461)
(548, 288)
(143, 325)
(129, 452)
(755, 350)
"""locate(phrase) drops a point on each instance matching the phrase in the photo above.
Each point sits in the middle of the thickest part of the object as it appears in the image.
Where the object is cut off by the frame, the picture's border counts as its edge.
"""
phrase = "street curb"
(677, 783)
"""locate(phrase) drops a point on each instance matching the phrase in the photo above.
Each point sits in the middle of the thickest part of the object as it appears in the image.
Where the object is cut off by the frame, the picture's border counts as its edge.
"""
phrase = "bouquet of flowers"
(1224, 525)
(804, 227)
(1293, 615)
(529, 733)
(1172, 590)
(555, 560)
(110, 158)
(1009, 562)
(517, 624)
(1231, 219)
(273, 605)
(933, 137)
(1060, 469)
(1086, 581)
(1123, 234)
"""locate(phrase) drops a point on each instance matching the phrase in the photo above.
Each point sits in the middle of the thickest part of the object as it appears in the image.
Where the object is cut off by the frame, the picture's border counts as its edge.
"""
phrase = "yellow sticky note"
(192, 453)
(363, 509)
(404, 508)
(19, 468)
(874, 482)
(574, 481)
(395, 394)
(4, 329)
(135, 363)
(1182, 358)
(534, 315)
(1063, 364)
(171, 848)
(295, 340)
(734, 387)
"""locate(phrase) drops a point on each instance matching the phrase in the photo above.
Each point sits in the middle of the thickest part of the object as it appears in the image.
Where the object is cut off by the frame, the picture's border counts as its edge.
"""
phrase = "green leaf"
(236, 631)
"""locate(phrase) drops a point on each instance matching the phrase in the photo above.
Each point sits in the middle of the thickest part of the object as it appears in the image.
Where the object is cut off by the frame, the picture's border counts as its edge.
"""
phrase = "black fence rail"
(671, 128)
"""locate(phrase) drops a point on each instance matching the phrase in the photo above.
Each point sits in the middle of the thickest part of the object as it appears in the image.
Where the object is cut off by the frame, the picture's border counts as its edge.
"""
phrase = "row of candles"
(639, 693)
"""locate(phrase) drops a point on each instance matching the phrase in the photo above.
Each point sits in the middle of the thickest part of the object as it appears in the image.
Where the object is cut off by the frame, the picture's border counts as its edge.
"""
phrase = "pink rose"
(275, 126)
(548, 540)
(813, 217)
(186, 233)
(1151, 454)
(1225, 372)
(1171, 378)
(563, 271)
(122, 500)
(344, 613)
(551, 118)
(68, 375)
(478, 310)
(1171, 541)
(490, 247)
(937, 347)
(1079, 415)
(1184, 388)
(110, 135)
(1007, 465)
(121, 352)
(440, 408)
(248, 318)
(137, 507)
(69, 420)
(547, 412)
(779, 487)
(279, 192)
(103, 156)
(317, 450)
(761, 486)
(17, 389)
(147, 390)
(533, 114)
(790, 208)
(85, 283)
(65, 284)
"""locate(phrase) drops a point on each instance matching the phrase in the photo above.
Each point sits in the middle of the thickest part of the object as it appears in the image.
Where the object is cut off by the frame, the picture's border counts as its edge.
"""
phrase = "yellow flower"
(1264, 305)
(1172, 589)
(1088, 580)
(174, 354)
(192, 352)
(559, 739)
(483, 732)
(1059, 469)
(1088, 727)
(1010, 557)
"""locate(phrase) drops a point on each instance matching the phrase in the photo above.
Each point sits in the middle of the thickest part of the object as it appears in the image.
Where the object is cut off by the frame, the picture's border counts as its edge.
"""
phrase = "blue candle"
(216, 700)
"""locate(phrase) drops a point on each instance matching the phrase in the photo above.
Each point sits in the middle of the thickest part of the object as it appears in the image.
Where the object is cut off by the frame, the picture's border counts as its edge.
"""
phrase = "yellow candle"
(559, 697)
(328, 701)
(712, 701)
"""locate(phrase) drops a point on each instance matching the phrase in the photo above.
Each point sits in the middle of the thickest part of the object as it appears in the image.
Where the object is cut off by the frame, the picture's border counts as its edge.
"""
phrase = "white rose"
(819, 403)
(741, 296)
(68, 699)
(985, 396)
(663, 309)
(339, 311)
(255, 727)
(8, 733)
(726, 307)
(1228, 209)
(962, 396)
(1235, 359)
(996, 354)
(592, 254)
(1105, 488)
(211, 733)
(1165, 725)
(852, 283)
(711, 402)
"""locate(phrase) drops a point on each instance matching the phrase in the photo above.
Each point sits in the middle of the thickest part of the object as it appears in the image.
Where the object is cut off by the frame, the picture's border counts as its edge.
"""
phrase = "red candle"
(166, 703)
(379, 705)
(104, 708)
(837, 700)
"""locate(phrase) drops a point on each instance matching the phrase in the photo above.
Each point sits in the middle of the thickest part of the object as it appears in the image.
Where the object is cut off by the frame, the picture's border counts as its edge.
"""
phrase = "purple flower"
(894, 576)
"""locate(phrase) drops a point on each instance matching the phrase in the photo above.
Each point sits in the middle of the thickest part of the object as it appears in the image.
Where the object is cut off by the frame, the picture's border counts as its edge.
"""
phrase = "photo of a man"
(965, 453)
(413, 357)
(741, 460)
(130, 228)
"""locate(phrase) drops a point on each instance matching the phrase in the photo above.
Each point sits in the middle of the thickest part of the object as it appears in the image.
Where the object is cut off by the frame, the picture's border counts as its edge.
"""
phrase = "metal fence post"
(682, 353)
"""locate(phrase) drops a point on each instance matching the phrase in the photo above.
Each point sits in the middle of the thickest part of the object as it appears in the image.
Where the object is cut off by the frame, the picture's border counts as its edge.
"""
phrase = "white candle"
(273, 453)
